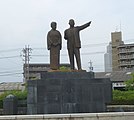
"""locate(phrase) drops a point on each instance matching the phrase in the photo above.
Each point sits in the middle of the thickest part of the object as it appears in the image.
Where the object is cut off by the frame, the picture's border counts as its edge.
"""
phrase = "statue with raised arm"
(54, 44)
(73, 42)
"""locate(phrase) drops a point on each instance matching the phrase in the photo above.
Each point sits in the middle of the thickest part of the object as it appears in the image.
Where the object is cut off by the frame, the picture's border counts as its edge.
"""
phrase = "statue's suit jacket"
(69, 37)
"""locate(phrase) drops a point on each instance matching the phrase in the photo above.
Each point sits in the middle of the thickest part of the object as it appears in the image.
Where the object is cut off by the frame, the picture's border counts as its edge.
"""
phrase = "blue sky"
(26, 22)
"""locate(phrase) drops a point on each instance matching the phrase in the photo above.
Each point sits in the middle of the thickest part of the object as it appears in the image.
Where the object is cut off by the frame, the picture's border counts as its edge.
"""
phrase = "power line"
(10, 71)
(42, 55)
(129, 39)
(90, 53)
(91, 45)
(87, 45)
(9, 57)
(10, 50)
(10, 74)
(48, 55)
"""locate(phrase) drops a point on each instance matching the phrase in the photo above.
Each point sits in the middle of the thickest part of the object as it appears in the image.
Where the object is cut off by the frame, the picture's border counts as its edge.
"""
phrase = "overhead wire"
(3, 72)
(10, 74)
(91, 45)
(9, 57)
(41, 55)
(10, 50)
(84, 46)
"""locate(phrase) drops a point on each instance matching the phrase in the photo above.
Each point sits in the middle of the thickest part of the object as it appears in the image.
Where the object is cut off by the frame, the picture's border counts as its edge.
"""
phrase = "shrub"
(21, 95)
(123, 97)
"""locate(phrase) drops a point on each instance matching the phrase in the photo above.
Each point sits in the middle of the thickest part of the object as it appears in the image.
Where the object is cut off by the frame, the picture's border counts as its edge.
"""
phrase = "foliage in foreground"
(21, 95)
(123, 97)
(130, 83)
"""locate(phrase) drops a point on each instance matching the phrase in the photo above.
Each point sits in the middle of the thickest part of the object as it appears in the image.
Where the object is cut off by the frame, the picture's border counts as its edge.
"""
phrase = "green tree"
(130, 83)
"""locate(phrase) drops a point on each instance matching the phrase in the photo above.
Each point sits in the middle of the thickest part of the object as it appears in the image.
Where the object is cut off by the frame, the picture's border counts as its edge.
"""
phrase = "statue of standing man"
(73, 42)
(54, 44)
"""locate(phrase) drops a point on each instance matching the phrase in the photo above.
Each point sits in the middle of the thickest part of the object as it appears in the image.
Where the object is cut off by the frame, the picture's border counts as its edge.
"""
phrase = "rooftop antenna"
(120, 25)
(116, 29)
(90, 66)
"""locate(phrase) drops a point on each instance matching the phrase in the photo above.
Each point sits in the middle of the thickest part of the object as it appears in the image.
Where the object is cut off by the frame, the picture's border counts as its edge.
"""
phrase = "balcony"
(126, 57)
(128, 64)
(130, 51)
(127, 50)
(123, 58)
(122, 51)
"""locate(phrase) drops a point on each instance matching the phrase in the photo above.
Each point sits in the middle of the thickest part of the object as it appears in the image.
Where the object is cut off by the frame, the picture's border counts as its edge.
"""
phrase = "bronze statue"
(73, 42)
(54, 44)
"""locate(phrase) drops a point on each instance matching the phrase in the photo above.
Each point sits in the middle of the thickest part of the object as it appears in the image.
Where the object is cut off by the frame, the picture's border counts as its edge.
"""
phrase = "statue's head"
(53, 25)
(71, 23)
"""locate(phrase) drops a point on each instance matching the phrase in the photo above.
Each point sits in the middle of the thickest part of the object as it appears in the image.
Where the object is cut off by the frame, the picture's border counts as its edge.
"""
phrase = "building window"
(117, 40)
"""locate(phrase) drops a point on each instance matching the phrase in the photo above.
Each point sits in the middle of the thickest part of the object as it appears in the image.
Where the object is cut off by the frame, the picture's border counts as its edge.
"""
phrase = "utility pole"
(26, 58)
(90, 66)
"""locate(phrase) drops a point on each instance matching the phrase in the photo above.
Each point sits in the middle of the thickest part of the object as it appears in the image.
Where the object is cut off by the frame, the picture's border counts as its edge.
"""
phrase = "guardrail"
(83, 116)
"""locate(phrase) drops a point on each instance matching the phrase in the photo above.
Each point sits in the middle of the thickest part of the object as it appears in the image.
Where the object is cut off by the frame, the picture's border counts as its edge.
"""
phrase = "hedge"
(123, 97)
(21, 95)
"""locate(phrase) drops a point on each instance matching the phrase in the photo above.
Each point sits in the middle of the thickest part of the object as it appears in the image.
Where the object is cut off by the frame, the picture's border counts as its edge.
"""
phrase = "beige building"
(126, 57)
(122, 54)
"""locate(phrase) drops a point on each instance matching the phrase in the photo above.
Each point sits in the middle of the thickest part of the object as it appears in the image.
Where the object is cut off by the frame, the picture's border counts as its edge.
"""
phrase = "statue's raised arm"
(84, 26)
(73, 42)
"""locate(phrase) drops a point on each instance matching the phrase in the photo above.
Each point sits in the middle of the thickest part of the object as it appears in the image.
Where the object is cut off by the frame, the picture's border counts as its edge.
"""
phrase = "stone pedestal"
(68, 92)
